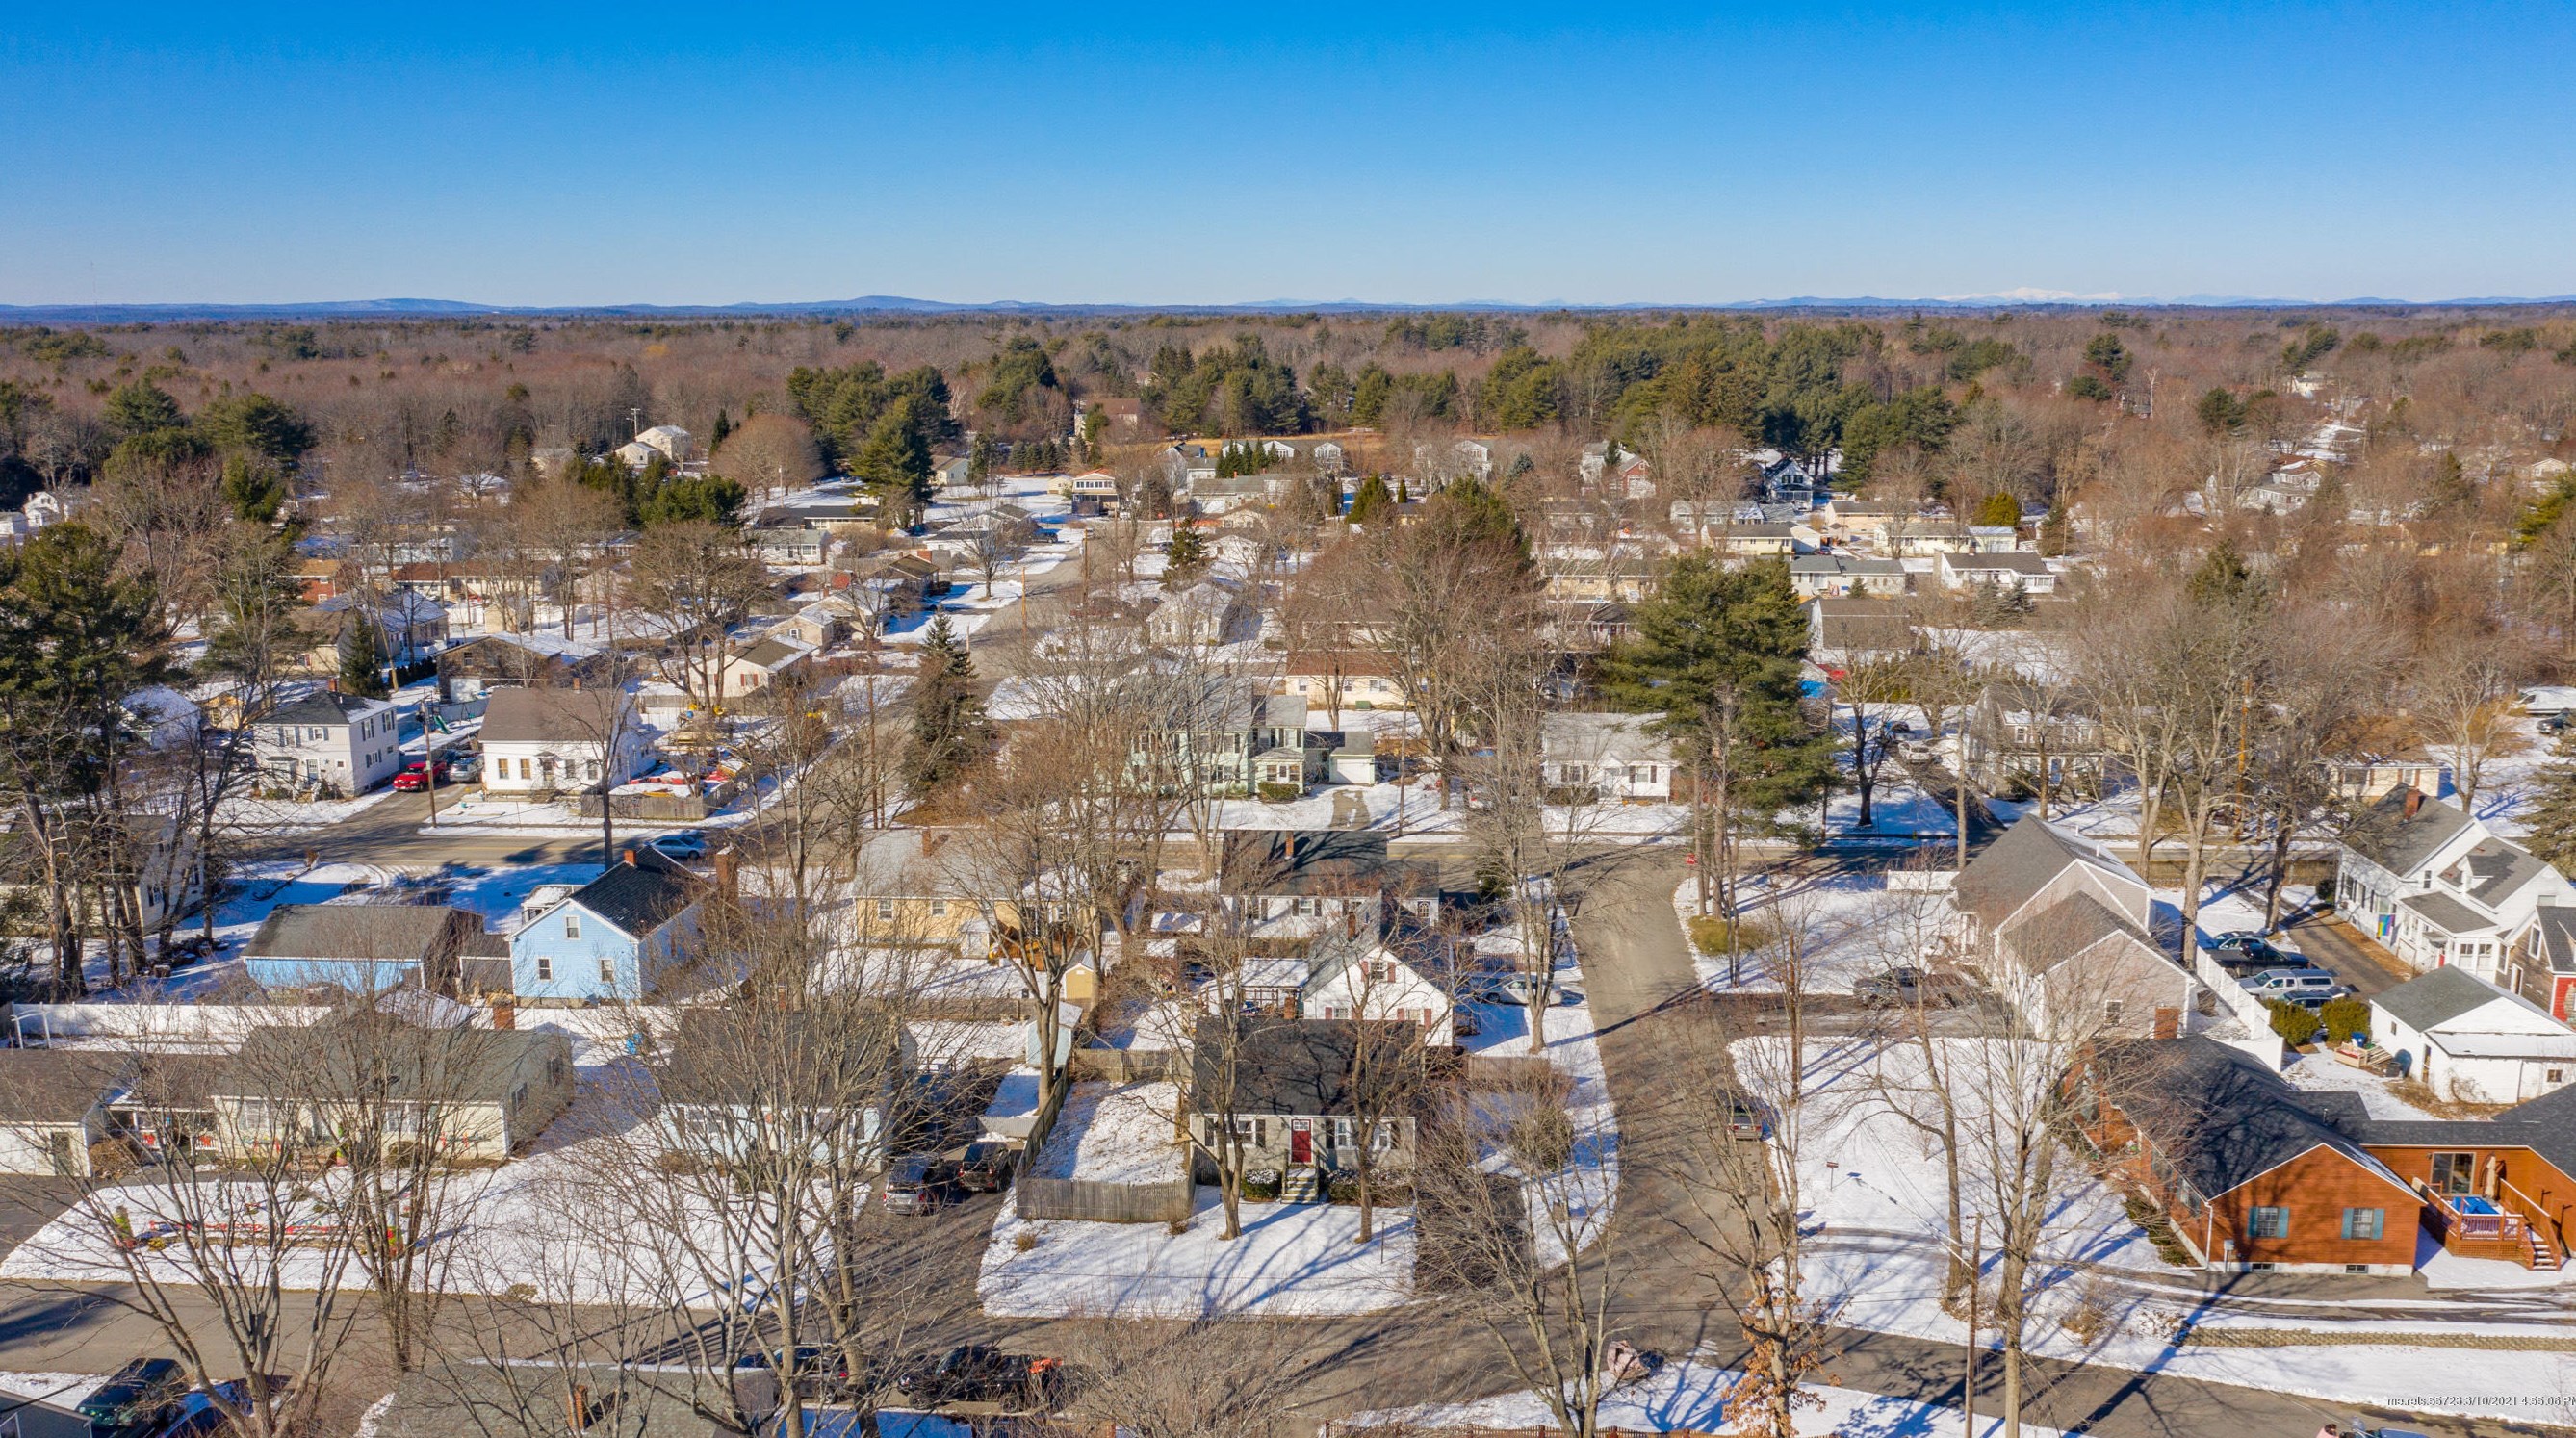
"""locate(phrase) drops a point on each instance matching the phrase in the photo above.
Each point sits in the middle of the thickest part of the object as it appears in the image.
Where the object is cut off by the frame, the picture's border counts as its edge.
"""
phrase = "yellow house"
(938, 887)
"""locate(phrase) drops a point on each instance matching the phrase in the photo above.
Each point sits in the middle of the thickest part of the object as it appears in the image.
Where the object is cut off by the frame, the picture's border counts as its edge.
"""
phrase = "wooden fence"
(1129, 1065)
(1106, 1202)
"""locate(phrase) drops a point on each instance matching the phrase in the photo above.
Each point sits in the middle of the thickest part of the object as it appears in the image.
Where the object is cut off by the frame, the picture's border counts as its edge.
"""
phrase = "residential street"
(1639, 980)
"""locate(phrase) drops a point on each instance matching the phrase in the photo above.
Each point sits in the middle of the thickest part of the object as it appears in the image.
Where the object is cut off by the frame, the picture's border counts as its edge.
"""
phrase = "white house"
(1616, 755)
(2472, 1042)
(1208, 612)
(1363, 977)
(2062, 929)
(545, 741)
(758, 667)
(1818, 576)
(2026, 572)
(336, 742)
(666, 441)
(2433, 885)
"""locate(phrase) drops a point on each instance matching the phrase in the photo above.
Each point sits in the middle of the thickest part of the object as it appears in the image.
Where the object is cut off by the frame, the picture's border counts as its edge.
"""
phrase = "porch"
(2473, 1225)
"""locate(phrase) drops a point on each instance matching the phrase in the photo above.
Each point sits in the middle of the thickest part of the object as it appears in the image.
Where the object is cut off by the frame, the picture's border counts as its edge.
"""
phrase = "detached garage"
(53, 1107)
(2471, 1042)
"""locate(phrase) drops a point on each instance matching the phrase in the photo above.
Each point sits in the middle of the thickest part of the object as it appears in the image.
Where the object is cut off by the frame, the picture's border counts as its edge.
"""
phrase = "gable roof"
(642, 893)
(327, 706)
(2217, 1115)
(2016, 866)
(2496, 870)
(1302, 861)
(49, 1086)
(2555, 926)
(2072, 926)
(552, 716)
(376, 933)
(2448, 993)
(1290, 1066)
(2387, 836)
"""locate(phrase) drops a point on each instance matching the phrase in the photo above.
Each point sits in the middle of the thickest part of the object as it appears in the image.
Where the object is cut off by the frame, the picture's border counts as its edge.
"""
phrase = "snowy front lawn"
(1847, 927)
(1874, 1183)
(1115, 1133)
(1691, 1397)
(1292, 1260)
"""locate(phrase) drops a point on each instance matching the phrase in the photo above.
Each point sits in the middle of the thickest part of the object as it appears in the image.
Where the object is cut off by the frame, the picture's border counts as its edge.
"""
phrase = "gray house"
(1298, 1091)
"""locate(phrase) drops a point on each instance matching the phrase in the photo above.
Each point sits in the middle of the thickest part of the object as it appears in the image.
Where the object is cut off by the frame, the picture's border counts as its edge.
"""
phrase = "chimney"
(627, 857)
(577, 1408)
(2414, 801)
(728, 879)
(332, 684)
(1350, 923)
(932, 839)
(505, 1012)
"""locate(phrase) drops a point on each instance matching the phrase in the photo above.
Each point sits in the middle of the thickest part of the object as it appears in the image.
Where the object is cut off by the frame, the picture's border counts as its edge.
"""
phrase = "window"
(1307, 908)
(885, 911)
(2268, 1223)
(1381, 971)
(939, 908)
(572, 925)
(2363, 1222)
(1341, 1133)
(2556, 1076)
(545, 969)
(607, 970)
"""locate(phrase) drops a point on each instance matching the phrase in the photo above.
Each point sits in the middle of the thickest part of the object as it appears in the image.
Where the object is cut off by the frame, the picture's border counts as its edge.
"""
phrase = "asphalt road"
(2330, 943)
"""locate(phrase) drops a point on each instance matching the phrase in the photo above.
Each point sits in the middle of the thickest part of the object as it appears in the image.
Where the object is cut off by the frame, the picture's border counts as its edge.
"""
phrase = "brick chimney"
(626, 856)
(728, 876)
(505, 1012)
(2414, 801)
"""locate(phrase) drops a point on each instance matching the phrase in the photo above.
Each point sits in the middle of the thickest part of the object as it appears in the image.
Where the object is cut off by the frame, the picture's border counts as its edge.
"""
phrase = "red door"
(1301, 1141)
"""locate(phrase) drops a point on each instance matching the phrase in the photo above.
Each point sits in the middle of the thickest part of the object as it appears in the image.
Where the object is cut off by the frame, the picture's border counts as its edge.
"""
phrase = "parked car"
(415, 776)
(135, 1399)
(2252, 951)
(1515, 989)
(684, 843)
(982, 1373)
(1745, 1120)
(916, 1183)
(1902, 985)
(195, 1416)
(2309, 987)
(2554, 723)
(985, 1166)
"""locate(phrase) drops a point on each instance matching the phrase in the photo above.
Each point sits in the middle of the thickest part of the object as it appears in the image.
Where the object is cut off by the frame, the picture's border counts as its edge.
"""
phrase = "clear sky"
(536, 154)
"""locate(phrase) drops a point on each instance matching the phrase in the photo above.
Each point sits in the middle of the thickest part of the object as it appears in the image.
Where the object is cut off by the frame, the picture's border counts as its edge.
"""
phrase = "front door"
(1301, 1141)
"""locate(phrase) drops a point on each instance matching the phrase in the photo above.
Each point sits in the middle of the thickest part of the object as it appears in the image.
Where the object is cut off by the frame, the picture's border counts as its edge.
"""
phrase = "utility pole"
(429, 756)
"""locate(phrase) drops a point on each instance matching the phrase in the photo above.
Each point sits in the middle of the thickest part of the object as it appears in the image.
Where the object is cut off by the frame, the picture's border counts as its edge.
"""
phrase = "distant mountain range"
(399, 309)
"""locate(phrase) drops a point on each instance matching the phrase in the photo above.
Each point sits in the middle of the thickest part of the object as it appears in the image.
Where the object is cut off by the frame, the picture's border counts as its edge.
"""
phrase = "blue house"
(613, 937)
(365, 948)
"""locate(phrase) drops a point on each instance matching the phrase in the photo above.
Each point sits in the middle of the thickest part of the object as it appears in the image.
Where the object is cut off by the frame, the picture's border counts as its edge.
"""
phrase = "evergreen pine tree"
(1185, 555)
(724, 426)
(362, 660)
(1374, 502)
(949, 731)
(2552, 833)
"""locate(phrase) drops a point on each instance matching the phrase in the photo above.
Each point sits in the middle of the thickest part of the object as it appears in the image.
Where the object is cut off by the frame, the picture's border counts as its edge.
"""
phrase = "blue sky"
(1214, 153)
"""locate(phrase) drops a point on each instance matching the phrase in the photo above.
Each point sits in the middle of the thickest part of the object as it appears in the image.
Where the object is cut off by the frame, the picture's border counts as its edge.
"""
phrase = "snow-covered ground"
(245, 811)
(1414, 808)
(1874, 1183)
(1846, 927)
(1691, 1397)
(1116, 1133)
(1292, 1260)
(1587, 1186)
(2321, 1073)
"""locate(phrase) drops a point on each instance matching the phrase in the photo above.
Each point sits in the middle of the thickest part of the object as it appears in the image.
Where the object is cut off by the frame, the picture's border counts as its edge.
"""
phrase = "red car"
(415, 776)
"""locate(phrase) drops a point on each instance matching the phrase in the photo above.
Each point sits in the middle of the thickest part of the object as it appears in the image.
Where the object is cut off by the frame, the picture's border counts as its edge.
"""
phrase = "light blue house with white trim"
(364, 948)
(612, 938)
